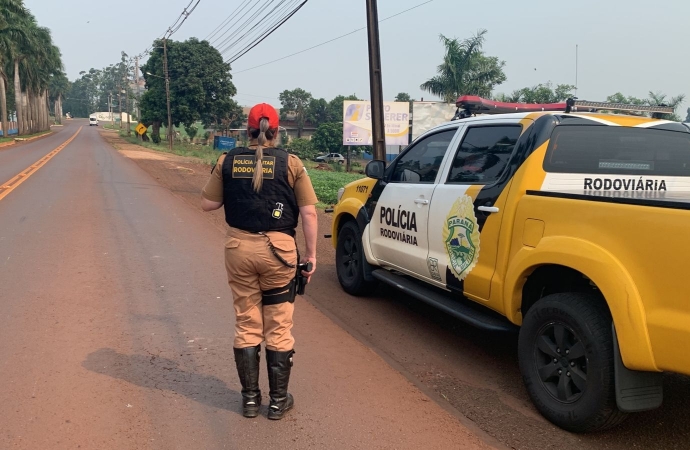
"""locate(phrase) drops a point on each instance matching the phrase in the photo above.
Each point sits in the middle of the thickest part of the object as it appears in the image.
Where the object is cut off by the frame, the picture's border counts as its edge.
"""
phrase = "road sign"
(140, 129)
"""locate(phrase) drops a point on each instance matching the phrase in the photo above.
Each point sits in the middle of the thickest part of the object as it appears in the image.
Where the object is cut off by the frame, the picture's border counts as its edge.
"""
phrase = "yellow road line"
(11, 185)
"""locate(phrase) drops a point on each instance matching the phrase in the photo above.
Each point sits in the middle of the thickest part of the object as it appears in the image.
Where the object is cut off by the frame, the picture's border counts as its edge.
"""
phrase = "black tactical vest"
(274, 208)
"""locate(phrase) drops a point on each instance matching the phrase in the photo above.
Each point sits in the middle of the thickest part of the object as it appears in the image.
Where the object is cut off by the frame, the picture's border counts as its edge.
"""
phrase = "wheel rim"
(349, 260)
(561, 362)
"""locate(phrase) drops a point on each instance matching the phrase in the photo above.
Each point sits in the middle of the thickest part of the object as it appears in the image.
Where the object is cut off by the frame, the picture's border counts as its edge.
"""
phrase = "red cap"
(260, 111)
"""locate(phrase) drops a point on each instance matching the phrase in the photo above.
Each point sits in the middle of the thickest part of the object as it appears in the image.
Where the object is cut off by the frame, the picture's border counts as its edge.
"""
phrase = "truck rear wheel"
(566, 358)
(350, 259)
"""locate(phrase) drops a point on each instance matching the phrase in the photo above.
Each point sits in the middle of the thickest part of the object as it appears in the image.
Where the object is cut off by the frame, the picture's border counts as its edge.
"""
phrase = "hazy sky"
(631, 46)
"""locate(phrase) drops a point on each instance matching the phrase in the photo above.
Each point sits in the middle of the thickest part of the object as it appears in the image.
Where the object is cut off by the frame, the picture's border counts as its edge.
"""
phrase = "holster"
(280, 295)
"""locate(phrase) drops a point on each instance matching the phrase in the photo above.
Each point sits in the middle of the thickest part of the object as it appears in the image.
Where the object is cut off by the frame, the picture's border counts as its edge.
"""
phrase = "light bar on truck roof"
(472, 104)
(623, 107)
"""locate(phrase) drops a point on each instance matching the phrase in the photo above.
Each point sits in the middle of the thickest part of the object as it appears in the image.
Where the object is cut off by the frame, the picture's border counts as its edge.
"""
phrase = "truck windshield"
(597, 149)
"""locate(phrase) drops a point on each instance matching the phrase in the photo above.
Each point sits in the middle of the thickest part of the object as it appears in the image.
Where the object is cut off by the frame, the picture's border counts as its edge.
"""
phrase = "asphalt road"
(116, 327)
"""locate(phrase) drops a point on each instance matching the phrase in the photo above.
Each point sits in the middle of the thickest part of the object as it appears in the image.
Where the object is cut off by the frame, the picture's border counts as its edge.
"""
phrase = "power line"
(263, 26)
(331, 40)
(186, 15)
(172, 29)
(237, 23)
(260, 26)
(225, 22)
(259, 41)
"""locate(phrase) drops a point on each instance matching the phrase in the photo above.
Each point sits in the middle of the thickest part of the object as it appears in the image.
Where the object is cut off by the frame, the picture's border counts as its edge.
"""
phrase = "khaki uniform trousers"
(253, 268)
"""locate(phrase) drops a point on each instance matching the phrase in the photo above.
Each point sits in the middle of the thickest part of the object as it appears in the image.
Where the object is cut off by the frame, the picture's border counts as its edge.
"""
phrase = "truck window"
(484, 154)
(598, 149)
(421, 162)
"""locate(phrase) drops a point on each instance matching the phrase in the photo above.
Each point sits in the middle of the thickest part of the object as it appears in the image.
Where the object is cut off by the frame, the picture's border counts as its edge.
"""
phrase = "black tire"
(350, 259)
(566, 359)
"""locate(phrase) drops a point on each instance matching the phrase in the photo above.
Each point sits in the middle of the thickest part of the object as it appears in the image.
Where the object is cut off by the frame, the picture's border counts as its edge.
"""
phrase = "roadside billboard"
(426, 115)
(357, 123)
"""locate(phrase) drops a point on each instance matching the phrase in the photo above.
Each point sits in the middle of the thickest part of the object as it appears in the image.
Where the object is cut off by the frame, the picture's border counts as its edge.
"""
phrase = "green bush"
(301, 147)
(156, 138)
(191, 131)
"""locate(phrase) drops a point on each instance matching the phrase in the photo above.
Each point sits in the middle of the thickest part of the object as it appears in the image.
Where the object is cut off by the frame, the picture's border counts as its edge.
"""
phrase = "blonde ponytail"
(258, 179)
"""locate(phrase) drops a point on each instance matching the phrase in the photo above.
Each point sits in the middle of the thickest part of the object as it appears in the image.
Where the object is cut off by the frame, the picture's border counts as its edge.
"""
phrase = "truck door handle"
(421, 201)
(488, 209)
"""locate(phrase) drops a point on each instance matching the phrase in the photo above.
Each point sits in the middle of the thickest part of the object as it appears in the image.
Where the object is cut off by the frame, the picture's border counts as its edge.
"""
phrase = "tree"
(659, 99)
(303, 148)
(201, 86)
(465, 70)
(295, 102)
(335, 107)
(541, 93)
(620, 98)
(59, 87)
(404, 97)
(318, 112)
(192, 131)
(224, 115)
(33, 59)
(12, 16)
(654, 99)
(328, 137)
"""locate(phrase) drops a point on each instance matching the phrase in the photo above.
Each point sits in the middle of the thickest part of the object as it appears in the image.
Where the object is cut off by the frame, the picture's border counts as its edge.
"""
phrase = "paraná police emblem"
(461, 237)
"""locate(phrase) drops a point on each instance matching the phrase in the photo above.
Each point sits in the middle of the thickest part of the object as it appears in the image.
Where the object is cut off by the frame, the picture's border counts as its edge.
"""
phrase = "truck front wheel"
(566, 358)
(350, 259)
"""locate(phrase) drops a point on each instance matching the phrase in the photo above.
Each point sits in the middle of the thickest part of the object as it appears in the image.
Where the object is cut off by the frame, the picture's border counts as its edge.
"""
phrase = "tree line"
(31, 71)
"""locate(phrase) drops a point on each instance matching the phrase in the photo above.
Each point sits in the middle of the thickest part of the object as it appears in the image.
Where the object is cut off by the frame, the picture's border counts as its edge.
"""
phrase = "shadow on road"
(154, 372)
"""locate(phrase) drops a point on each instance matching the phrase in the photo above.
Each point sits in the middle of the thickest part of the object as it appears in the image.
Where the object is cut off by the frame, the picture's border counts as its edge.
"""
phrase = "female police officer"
(264, 190)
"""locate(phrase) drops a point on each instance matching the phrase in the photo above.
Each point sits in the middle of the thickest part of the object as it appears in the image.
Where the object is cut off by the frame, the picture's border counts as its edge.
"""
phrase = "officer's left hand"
(313, 268)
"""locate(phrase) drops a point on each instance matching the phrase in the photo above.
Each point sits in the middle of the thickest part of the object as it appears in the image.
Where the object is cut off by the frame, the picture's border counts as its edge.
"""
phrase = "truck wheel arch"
(571, 258)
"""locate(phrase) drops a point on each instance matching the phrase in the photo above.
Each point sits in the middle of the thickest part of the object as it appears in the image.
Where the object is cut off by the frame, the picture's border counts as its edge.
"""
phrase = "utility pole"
(110, 109)
(375, 83)
(576, 58)
(136, 71)
(119, 101)
(167, 92)
(129, 126)
(136, 82)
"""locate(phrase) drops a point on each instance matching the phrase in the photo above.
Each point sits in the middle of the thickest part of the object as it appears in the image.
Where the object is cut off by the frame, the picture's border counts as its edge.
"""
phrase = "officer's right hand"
(313, 268)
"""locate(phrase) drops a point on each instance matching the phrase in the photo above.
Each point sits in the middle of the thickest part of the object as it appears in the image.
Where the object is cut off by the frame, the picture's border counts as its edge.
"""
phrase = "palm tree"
(59, 86)
(19, 50)
(11, 14)
(659, 99)
(465, 70)
(35, 60)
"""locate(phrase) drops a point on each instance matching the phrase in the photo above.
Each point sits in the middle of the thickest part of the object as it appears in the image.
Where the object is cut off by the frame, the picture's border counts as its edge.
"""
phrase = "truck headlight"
(340, 193)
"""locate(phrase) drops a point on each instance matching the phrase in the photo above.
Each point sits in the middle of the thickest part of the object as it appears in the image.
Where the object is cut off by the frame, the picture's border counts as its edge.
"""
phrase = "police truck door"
(467, 207)
(398, 228)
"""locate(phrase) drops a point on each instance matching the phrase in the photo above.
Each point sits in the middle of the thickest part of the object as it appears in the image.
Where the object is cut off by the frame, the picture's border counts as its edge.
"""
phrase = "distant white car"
(330, 158)
(93, 121)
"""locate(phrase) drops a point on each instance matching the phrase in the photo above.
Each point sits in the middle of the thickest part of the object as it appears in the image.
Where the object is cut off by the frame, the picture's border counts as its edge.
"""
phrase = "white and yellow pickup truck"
(571, 228)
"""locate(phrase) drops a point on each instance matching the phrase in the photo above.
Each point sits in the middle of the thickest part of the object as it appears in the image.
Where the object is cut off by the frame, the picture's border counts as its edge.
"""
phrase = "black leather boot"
(247, 361)
(279, 365)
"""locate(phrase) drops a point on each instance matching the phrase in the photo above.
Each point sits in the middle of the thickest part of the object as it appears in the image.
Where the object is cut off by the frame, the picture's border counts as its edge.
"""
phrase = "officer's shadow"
(153, 372)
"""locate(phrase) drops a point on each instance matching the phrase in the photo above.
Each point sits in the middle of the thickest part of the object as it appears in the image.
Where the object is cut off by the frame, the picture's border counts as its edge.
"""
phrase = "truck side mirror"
(375, 169)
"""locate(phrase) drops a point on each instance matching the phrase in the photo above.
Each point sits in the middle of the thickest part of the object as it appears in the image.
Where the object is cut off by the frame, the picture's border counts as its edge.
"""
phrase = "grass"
(25, 136)
(326, 184)
(204, 153)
